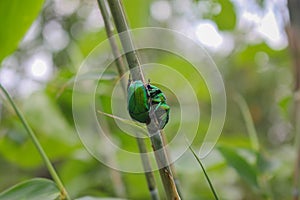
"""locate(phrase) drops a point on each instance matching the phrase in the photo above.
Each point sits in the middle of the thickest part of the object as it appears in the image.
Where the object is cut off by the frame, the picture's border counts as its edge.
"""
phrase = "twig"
(113, 43)
(120, 20)
(136, 73)
(121, 69)
(54, 175)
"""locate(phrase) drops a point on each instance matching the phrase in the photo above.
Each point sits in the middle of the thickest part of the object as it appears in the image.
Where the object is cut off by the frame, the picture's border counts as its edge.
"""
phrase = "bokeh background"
(247, 40)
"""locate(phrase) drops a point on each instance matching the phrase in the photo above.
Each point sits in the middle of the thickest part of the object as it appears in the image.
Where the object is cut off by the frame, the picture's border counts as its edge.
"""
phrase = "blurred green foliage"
(17, 16)
(261, 74)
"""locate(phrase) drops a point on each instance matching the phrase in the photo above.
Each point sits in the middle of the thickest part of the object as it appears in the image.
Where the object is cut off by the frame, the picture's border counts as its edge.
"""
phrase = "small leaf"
(132, 123)
(34, 189)
(241, 165)
(16, 17)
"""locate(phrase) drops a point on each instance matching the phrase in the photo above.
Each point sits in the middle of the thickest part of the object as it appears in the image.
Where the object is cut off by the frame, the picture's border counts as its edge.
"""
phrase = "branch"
(121, 69)
(136, 73)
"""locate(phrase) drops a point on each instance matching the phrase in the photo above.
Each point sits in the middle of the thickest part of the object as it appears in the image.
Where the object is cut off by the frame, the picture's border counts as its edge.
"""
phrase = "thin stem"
(121, 69)
(248, 120)
(120, 20)
(119, 17)
(148, 170)
(64, 194)
(205, 174)
(241, 102)
(112, 41)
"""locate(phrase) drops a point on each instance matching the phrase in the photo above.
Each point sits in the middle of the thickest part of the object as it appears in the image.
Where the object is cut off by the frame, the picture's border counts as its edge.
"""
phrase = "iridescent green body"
(143, 100)
(138, 102)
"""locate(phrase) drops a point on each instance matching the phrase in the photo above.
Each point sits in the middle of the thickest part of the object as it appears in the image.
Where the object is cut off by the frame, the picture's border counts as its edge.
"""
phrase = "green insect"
(138, 101)
(143, 100)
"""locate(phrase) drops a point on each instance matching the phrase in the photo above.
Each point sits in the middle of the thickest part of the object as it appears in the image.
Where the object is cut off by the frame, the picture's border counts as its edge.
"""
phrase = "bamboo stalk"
(51, 169)
(121, 70)
(120, 20)
(113, 43)
(176, 180)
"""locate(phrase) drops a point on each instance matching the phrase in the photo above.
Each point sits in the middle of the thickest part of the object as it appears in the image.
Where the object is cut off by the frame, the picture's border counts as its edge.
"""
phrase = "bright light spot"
(56, 37)
(269, 29)
(161, 10)
(261, 24)
(39, 66)
(208, 35)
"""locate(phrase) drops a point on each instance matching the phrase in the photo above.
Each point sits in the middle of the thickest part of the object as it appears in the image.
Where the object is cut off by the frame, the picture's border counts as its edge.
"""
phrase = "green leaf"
(34, 189)
(16, 18)
(226, 19)
(240, 164)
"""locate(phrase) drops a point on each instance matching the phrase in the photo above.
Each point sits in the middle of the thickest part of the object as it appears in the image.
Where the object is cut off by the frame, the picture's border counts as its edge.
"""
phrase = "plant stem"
(112, 41)
(248, 120)
(132, 58)
(148, 170)
(64, 194)
(163, 163)
(120, 20)
(121, 69)
(116, 176)
(205, 174)
(176, 180)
